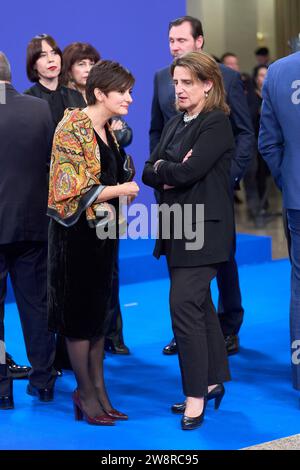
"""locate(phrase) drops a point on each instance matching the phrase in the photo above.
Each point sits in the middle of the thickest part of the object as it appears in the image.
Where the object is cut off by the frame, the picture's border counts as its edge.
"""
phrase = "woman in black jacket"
(44, 66)
(191, 169)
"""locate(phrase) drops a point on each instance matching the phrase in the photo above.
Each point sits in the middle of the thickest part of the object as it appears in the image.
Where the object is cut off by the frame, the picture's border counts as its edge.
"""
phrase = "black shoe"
(178, 408)
(116, 348)
(43, 394)
(16, 371)
(232, 344)
(171, 348)
(216, 394)
(188, 424)
(6, 403)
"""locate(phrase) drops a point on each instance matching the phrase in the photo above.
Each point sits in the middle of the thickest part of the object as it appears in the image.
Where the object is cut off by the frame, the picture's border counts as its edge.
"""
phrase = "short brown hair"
(227, 54)
(75, 52)
(196, 25)
(107, 76)
(5, 71)
(34, 50)
(203, 67)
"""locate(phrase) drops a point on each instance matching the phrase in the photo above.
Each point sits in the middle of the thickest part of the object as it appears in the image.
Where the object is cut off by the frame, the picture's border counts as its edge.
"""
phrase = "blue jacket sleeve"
(157, 119)
(270, 142)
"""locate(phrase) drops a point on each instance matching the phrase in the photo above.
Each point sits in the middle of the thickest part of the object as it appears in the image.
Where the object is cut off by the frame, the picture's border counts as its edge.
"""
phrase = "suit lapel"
(190, 137)
(169, 135)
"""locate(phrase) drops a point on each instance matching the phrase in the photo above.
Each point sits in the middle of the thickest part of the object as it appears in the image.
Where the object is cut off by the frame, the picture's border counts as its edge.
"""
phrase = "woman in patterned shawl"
(86, 172)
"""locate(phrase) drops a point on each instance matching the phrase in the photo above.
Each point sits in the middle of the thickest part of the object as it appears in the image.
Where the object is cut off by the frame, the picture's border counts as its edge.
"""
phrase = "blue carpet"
(259, 405)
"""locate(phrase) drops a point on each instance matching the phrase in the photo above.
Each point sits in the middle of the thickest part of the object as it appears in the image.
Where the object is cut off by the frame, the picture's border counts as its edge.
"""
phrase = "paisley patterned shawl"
(75, 170)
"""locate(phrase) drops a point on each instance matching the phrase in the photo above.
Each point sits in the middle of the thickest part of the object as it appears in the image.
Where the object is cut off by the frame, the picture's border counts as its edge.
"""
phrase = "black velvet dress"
(80, 266)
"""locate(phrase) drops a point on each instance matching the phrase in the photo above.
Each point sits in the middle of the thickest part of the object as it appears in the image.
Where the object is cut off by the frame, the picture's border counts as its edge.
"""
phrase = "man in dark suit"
(26, 131)
(186, 35)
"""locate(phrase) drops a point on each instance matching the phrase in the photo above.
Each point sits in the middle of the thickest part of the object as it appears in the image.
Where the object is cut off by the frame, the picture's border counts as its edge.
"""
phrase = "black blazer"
(70, 99)
(163, 108)
(26, 130)
(203, 179)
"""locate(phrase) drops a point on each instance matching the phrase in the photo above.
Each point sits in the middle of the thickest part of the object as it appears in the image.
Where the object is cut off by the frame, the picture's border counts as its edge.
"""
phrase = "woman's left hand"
(187, 156)
(117, 125)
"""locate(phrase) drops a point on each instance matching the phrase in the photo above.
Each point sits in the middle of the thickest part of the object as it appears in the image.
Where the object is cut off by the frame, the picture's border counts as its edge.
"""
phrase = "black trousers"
(230, 310)
(26, 263)
(201, 347)
(255, 182)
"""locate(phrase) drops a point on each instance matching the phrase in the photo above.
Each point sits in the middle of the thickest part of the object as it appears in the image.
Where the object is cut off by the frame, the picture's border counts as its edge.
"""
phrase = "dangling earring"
(206, 94)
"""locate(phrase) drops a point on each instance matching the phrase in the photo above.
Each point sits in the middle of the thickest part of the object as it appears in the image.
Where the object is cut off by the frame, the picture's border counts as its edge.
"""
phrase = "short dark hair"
(5, 71)
(196, 25)
(75, 52)
(227, 54)
(257, 69)
(34, 50)
(107, 76)
(262, 51)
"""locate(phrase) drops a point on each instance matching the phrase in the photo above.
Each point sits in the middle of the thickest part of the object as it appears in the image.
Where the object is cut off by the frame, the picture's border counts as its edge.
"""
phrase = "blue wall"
(134, 32)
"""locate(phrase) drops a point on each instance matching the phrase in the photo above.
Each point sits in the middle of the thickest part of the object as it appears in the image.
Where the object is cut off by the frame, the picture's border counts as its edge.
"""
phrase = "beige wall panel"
(232, 25)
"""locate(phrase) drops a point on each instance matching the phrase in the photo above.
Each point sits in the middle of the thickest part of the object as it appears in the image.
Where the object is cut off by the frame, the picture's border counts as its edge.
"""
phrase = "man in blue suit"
(279, 144)
(186, 35)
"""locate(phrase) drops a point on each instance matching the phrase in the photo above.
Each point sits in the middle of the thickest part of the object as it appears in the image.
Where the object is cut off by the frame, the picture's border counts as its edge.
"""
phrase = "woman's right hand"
(188, 155)
(130, 189)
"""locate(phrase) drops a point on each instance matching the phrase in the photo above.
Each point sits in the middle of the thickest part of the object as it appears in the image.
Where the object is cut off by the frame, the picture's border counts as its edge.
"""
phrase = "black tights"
(86, 357)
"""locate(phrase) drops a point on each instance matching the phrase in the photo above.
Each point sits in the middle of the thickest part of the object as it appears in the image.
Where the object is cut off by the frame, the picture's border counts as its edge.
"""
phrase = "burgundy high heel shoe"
(115, 414)
(100, 420)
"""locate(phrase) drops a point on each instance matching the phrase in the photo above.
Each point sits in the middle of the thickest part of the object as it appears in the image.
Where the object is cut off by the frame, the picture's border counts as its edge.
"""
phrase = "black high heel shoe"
(216, 394)
(188, 424)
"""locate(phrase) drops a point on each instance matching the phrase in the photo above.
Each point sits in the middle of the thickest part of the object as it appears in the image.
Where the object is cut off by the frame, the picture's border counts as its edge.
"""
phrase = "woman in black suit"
(191, 168)
(44, 67)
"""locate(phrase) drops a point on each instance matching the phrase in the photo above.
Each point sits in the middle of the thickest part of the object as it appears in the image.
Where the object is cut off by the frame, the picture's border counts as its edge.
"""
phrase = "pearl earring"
(206, 94)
